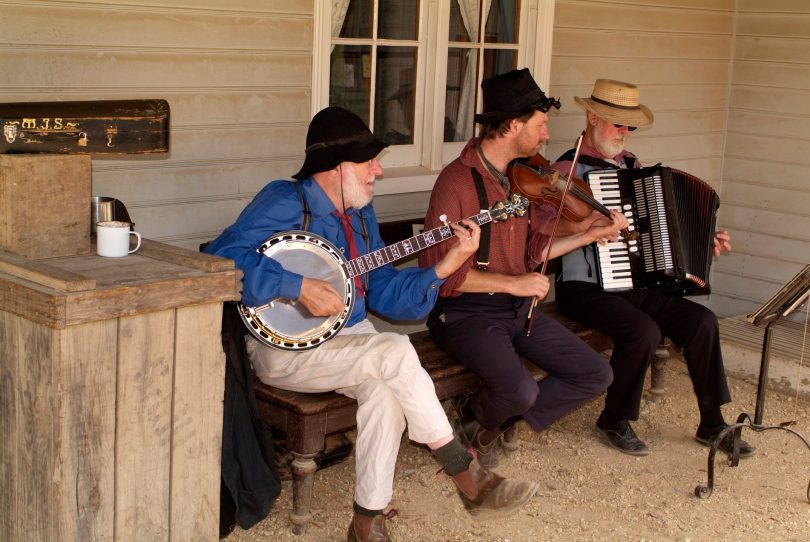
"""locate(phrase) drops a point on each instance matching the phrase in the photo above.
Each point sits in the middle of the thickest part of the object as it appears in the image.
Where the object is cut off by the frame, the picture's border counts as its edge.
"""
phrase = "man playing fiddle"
(481, 316)
(636, 319)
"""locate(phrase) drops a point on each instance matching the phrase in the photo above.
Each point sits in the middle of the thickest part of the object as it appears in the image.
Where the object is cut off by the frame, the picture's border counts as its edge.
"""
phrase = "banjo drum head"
(286, 324)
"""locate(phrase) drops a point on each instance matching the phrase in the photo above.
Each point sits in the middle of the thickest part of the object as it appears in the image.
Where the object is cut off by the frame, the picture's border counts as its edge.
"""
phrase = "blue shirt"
(406, 294)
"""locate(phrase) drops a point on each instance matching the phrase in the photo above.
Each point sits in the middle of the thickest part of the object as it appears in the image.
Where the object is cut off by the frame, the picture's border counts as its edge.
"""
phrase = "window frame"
(421, 161)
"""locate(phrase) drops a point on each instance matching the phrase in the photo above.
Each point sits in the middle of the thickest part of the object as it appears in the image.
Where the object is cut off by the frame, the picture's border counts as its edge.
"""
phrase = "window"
(412, 69)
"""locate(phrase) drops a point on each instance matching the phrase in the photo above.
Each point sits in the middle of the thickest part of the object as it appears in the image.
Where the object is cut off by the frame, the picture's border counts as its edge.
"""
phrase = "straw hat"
(336, 135)
(616, 102)
(511, 94)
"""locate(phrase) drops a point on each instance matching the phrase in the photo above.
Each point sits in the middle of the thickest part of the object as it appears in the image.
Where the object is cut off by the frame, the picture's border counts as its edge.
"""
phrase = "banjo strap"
(307, 218)
(307, 214)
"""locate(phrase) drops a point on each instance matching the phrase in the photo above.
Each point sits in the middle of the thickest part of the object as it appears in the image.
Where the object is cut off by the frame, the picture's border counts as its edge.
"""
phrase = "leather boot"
(485, 493)
(366, 529)
(509, 439)
(469, 431)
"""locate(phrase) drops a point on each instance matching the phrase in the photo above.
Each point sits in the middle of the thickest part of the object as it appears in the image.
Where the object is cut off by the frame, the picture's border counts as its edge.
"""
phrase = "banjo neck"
(371, 261)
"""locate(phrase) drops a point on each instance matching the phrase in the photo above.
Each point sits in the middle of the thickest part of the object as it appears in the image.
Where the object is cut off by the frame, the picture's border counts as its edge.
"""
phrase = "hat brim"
(532, 101)
(632, 116)
(491, 117)
(329, 157)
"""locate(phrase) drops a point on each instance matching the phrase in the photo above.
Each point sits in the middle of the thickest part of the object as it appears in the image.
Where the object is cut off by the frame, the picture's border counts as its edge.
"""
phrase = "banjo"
(287, 325)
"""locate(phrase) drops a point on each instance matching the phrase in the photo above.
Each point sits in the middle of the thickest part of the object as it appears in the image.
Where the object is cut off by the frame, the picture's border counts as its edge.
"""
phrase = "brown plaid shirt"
(515, 244)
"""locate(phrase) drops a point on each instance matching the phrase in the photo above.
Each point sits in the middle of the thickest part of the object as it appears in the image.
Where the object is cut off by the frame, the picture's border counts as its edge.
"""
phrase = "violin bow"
(571, 175)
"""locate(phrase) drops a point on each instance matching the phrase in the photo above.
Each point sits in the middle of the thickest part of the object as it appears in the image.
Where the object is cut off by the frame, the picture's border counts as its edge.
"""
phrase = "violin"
(537, 181)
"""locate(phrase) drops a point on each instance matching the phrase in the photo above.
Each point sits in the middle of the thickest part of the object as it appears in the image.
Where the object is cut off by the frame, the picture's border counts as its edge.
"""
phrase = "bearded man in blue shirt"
(380, 370)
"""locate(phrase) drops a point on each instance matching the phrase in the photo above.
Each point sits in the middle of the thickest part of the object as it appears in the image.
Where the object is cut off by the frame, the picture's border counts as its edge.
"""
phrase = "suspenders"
(483, 246)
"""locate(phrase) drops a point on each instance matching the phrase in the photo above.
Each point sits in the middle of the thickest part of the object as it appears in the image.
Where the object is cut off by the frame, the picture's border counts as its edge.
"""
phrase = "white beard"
(609, 148)
(354, 195)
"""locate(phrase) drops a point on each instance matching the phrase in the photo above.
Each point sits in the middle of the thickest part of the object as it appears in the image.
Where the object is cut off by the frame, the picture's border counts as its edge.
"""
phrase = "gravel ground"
(591, 492)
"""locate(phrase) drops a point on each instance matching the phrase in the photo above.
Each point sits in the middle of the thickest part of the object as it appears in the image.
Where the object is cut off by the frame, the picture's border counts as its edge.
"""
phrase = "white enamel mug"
(112, 239)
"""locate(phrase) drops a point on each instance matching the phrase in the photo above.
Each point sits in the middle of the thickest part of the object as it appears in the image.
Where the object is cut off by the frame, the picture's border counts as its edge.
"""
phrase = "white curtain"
(339, 9)
(466, 107)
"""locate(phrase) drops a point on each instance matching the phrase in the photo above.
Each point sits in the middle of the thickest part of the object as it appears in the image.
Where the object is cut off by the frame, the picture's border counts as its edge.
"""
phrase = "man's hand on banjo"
(468, 237)
(320, 298)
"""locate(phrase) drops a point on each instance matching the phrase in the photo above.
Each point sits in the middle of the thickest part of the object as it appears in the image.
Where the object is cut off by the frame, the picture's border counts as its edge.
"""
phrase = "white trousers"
(382, 372)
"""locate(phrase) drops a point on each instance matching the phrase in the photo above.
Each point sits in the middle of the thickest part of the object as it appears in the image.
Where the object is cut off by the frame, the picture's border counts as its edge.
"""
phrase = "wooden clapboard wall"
(678, 52)
(766, 193)
(236, 73)
(727, 80)
(728, 83)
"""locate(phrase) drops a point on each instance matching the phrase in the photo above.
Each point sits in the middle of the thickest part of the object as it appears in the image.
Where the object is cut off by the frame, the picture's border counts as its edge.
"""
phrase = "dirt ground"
(591, 492)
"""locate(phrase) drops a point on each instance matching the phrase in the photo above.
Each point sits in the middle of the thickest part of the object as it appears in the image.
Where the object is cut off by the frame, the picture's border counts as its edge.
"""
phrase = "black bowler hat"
(336, 135)
(511, 94)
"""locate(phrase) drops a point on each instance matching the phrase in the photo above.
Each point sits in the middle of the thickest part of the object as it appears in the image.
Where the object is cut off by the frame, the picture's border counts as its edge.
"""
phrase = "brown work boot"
(470, 432)
(485, 493)
(367, 529)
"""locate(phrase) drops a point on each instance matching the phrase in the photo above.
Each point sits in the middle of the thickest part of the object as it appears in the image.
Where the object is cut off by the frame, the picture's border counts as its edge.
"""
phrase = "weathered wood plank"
(151, 296)
(145, 348)
(199, 380)
(32, 301)
(59, 310)
(45, 205)
(42, 273)
(29, 351)
(182, 256)
(85, 474)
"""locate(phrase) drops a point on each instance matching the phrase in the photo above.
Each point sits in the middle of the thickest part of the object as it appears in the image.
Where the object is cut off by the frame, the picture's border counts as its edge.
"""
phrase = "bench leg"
(303, 476)
(657, 370)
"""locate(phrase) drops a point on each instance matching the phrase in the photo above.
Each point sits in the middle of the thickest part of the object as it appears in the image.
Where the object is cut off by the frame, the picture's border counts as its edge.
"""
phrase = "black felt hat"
(511, 94)
(336, 135)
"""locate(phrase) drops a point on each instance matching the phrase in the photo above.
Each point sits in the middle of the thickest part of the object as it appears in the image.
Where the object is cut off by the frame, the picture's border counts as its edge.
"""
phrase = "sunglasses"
(629, 128)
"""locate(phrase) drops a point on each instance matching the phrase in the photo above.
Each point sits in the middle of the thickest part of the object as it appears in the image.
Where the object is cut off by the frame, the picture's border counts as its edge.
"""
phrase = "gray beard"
(608, 149)
(354, 197)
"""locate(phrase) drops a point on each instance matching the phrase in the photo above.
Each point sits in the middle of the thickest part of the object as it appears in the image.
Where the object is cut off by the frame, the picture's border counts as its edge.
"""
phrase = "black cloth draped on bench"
(250, 478)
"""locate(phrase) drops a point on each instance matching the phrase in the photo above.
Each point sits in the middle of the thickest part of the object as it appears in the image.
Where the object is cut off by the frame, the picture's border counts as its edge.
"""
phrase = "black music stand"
(789, 298)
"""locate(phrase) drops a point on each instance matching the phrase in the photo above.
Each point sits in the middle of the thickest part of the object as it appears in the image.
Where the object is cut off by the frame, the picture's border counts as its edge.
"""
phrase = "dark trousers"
(487, 334)
(636, 320)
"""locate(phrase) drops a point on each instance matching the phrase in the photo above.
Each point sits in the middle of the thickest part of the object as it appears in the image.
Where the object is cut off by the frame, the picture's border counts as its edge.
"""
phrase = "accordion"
(672, 217)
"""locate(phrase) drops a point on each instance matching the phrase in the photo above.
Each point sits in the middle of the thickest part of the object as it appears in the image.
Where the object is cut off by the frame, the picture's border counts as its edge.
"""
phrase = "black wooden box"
(91, 127)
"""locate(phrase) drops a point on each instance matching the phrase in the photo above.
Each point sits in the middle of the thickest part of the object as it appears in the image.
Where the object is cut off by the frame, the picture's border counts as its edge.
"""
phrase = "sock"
(365, 511)
(711, 418)
(453, 457)
(606, 423)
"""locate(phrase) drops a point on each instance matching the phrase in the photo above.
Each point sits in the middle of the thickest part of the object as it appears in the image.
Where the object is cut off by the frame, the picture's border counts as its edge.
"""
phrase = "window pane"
(398, 20)
(502, 22)
(352, 19)
(464, 18)
(460, 93)
(498, 61)
(350, 78)
(394, 94)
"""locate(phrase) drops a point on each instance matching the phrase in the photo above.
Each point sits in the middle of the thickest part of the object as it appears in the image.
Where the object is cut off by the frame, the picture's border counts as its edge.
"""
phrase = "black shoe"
(708, 436)
(623, 438)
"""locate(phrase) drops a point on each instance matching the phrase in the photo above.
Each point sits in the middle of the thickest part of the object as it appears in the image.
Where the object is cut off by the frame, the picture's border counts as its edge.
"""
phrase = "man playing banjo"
(380, 370)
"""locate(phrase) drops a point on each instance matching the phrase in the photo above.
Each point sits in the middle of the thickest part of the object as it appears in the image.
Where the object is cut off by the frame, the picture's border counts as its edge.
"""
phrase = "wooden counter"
(111, 389)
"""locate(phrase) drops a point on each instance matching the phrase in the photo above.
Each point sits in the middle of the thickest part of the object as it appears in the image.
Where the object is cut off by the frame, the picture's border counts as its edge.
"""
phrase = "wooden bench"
(306, 419)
